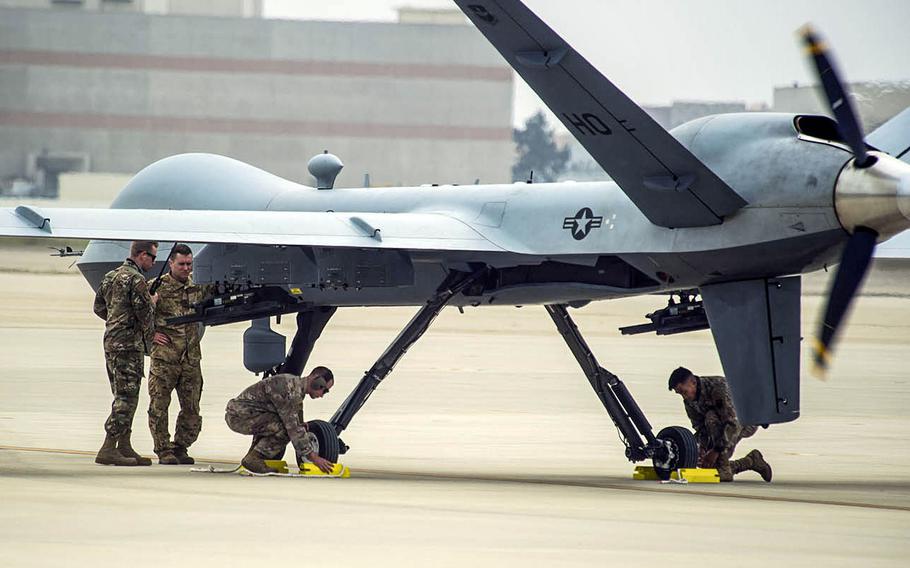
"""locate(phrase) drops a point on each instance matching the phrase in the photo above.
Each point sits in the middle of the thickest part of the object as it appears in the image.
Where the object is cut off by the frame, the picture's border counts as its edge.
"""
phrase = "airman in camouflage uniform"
(272, 411)
(124, 302)
(176, 356)
(717, 430)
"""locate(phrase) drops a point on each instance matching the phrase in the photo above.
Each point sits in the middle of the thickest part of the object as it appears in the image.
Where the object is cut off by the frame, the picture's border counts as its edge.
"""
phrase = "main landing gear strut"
(454, 283)
(673, 447)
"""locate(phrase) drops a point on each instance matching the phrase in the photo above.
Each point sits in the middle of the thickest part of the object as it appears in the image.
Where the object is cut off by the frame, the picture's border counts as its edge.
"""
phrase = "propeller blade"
(853, 266)
(838, 100)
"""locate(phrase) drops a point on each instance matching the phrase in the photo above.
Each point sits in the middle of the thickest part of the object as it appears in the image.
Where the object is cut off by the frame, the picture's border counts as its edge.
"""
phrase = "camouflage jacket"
(176, 299)
(124, 303)
(282, 395)
(713, 415)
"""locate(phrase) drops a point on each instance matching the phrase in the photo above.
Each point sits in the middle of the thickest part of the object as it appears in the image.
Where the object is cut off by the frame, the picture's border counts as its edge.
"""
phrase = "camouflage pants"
(124, 371)
(270, 437)
(186, 378)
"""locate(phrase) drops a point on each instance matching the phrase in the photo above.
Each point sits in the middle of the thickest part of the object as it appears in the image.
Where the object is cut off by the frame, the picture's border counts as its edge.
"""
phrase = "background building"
(875, 102)
(113, 85)
(230, 8)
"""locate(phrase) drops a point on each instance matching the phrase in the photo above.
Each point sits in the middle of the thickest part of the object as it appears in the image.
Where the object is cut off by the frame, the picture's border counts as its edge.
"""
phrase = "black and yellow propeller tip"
(821, 358)
(813, 42)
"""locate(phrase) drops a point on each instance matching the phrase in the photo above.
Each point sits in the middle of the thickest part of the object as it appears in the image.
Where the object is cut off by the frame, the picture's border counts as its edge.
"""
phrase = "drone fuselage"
(561, 242)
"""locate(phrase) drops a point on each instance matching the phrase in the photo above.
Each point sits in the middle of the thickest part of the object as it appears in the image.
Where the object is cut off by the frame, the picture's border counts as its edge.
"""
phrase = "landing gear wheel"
(328, 439)
(678, 450)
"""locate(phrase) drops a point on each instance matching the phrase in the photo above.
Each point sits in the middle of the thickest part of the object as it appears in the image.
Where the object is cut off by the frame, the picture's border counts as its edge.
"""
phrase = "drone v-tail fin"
(893, 137)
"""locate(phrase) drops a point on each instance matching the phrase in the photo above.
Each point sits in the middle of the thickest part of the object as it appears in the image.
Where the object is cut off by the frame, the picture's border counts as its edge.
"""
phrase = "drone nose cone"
(876, 196)
(903, 196)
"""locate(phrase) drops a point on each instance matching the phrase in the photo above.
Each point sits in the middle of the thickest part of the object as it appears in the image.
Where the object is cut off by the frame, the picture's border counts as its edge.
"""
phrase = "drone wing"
(408, 231)
(669, 184)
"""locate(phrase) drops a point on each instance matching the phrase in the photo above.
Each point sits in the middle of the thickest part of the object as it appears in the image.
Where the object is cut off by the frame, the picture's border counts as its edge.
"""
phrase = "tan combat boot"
(734, 467)
(167, 457)
(110, 455)
(759, 465)
(126, 449)
(182, 456)
(254, 462)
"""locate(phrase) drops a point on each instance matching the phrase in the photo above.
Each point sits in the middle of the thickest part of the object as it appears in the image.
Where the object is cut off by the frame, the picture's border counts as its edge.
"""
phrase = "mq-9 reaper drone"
(733, 208)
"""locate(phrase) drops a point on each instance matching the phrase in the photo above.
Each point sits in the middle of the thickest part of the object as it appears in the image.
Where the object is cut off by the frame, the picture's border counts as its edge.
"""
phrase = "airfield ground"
(485, 447)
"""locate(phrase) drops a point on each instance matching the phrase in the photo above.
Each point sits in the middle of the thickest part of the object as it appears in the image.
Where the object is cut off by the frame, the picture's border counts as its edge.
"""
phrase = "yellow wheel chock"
(684, 475)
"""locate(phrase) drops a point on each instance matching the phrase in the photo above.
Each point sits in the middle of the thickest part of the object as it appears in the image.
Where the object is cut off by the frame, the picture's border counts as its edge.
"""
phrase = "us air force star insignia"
(582, 223)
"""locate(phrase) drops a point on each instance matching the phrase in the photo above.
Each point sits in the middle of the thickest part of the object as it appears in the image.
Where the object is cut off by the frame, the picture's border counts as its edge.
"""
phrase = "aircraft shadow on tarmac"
(893, 494)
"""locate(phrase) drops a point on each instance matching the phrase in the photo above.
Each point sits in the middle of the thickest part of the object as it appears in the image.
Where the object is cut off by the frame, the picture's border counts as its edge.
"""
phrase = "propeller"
(858, 253)
(853, 267)
(838, 100)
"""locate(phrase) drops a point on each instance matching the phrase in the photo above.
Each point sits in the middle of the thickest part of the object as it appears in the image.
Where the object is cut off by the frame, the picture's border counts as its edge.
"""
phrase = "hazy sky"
(658, 51)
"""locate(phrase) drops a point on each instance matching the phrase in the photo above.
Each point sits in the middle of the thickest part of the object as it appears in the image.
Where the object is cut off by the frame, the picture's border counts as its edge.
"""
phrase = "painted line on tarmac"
(676, 489)
(88, 453)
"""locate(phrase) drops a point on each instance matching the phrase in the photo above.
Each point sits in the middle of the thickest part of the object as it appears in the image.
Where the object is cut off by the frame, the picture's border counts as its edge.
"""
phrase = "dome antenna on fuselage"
(325, 168)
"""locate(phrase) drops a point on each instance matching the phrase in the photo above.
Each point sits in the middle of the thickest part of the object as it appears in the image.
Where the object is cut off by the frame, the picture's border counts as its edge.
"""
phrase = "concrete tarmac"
(485, 447)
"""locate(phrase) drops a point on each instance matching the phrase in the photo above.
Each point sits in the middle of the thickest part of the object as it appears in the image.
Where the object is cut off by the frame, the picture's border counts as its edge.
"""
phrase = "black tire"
(683, 451)
(328, 439)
